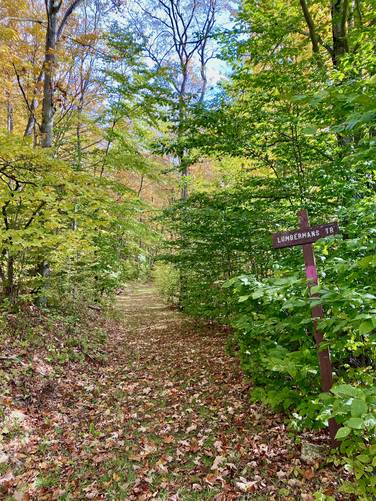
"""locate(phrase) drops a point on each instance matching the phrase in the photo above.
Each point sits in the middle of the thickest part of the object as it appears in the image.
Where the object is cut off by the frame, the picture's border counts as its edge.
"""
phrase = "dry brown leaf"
(309, 474)
(247, 486)
(217, 462)
(211, 478)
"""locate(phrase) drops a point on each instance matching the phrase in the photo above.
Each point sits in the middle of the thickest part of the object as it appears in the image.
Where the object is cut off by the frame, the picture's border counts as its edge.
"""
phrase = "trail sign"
(305, 236)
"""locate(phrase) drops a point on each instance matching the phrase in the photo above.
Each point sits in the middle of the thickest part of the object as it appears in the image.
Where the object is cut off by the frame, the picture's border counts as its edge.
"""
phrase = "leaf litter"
(165, 415)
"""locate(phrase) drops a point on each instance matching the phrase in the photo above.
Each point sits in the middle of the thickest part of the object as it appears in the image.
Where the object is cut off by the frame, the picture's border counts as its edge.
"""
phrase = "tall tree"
(178, 35)
(341, 16)
(55, 28)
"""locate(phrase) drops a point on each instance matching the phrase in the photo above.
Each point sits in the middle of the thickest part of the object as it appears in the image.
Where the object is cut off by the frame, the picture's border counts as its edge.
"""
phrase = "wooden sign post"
(305, 236)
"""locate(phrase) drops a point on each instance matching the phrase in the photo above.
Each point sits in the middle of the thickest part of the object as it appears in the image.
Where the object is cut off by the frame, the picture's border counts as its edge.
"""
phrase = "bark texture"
(339, 10)
(53, 34)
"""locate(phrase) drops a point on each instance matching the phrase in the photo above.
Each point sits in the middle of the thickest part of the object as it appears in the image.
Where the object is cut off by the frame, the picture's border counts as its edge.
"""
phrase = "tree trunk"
(204, 78)
(79, 125)
(30, 126)
(182, 117)
(46, 129)
(184, 190)
(339, 12)
(29, 129)
(10, 121)
(311, 27)
(78, 140)
(53, 7)
(10, 288)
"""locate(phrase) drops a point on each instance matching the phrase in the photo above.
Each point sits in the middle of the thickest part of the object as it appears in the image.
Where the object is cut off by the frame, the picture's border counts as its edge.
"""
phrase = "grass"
(3, 468)
(187, 495)
(50, 480)
(119, 477)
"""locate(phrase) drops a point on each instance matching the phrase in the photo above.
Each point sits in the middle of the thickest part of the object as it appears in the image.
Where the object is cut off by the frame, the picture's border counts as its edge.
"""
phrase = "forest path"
(190, 431)
(166, 416)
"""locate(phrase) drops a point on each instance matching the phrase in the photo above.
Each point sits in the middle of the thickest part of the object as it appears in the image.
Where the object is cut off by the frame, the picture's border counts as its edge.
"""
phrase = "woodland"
(148, 151)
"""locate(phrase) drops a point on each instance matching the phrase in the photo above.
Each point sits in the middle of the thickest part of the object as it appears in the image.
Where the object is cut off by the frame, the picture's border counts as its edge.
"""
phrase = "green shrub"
(354, 408)
(166, 279)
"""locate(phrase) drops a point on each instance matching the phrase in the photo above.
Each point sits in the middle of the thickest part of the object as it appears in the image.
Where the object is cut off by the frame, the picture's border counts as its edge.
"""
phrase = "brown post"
(317, 312)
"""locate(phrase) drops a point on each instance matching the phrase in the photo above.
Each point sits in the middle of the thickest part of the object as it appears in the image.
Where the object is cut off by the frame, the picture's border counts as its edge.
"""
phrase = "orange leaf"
(309, 474)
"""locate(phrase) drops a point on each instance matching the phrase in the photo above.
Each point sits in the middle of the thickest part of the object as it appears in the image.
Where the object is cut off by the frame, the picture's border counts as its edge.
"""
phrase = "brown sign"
(304, 236)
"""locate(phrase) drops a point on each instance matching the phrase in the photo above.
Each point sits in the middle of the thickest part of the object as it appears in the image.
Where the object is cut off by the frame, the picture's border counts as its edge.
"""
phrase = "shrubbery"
(271, 314)
(63, 233)
(166, 279)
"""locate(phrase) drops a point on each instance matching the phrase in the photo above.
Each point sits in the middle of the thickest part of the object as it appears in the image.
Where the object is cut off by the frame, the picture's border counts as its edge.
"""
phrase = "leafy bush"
(354, 407)
(277, 350)
(166, 279)
(276, 347)
(305, 137)
(63, 233)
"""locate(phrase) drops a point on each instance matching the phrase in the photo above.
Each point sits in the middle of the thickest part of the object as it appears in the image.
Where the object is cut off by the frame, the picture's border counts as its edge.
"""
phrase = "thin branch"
(22, 89)
(311, 26)
(42, 204)
(66, 16)
(24, 19)
(5, 215)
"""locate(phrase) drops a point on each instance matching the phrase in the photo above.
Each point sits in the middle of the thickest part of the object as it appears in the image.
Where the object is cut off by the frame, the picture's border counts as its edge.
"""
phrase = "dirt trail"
(167, 416)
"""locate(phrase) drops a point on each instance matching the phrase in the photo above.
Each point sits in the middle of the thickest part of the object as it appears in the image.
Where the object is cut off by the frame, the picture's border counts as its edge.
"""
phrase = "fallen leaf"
(309, 474)
(247, 486)
(217, 462)
(218, 445)
(211, 478)
(281, 474)
(6, 481)
(193, 427)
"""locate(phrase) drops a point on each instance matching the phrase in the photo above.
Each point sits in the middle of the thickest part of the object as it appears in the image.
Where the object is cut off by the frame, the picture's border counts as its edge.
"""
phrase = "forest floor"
(164, 414)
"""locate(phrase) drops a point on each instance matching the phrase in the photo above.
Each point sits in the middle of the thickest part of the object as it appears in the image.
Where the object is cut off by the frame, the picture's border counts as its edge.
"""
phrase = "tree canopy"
(171, 138)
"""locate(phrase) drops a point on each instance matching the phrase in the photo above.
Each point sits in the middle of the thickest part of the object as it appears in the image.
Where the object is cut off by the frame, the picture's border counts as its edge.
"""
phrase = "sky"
(217, 69)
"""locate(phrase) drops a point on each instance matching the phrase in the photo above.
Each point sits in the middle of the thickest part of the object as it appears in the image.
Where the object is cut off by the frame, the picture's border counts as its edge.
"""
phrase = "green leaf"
(343, 433)
(369, 421)
(366, 327)
(347, 390)
(355, 423)
(243, 298)
(364, 458)
(358, 407)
